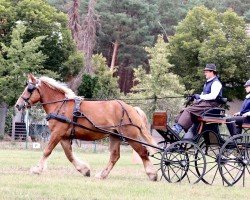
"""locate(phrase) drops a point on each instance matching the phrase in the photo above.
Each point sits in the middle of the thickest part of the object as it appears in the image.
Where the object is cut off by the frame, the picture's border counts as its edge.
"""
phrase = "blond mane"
(62, 87)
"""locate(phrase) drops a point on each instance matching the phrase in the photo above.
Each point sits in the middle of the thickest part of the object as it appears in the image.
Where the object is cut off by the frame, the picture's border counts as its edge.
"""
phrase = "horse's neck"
(50, 95)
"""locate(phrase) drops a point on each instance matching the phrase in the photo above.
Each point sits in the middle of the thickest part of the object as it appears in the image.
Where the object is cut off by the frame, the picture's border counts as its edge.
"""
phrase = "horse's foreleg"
(114, 157)
(143, 153)
(82, 167)
(54, 139)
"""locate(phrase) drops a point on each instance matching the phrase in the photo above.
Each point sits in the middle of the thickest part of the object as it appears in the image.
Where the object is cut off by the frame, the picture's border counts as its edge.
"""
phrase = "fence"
(39, 132)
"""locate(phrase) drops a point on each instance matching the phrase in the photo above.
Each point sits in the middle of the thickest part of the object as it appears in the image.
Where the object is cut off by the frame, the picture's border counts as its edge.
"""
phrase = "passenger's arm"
(246, 114)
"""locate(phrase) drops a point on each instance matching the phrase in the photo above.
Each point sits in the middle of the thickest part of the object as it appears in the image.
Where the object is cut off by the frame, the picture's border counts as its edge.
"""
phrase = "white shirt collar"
(248, 96)
(211, 79)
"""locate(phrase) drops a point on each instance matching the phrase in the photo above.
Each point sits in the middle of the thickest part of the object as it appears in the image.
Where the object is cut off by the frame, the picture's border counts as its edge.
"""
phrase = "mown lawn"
(126, 181)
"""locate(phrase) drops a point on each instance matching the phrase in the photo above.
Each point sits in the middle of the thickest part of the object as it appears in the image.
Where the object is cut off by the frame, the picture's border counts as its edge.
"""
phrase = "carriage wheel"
(157, 156)
(212, 173)
(234, 159)
(179, 161)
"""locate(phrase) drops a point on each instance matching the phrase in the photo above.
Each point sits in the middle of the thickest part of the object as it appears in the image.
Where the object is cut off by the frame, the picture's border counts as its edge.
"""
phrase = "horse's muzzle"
(20, 107)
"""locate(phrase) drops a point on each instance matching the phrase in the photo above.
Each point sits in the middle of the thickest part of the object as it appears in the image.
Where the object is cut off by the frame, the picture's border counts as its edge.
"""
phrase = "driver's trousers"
(187, 115)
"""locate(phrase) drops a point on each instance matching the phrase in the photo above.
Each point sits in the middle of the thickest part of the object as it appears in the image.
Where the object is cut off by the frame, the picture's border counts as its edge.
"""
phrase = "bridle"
(31, 87)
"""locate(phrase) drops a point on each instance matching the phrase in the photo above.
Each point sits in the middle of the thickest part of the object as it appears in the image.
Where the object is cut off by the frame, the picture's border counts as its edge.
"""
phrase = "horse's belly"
(89, 135)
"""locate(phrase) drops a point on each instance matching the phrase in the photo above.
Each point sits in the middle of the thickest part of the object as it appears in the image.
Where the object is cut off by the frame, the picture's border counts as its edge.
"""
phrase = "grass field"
(126, 181)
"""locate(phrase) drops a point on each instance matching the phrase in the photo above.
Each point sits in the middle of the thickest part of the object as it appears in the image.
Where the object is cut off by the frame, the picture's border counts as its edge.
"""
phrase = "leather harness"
(78, 114)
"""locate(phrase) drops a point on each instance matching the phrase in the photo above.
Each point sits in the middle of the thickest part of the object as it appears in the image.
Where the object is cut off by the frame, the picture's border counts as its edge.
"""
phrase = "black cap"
(210, 67)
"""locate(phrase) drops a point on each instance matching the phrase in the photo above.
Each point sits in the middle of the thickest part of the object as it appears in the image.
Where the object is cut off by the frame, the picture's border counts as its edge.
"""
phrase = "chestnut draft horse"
(111, 116)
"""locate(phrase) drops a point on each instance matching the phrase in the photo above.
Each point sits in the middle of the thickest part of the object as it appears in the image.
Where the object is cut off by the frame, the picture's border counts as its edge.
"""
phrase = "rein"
(52, 102)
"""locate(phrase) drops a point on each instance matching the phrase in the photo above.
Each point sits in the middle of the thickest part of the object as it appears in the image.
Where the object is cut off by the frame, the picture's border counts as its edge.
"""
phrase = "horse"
(96, 120)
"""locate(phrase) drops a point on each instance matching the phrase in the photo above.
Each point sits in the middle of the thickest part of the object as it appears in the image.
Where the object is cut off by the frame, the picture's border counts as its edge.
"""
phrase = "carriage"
(71, 117)
(226, 158)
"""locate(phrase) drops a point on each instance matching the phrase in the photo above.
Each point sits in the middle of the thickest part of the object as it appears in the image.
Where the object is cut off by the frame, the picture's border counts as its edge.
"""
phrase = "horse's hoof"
(153, 177)
(35, 170)
(99, 176)
(87, 173)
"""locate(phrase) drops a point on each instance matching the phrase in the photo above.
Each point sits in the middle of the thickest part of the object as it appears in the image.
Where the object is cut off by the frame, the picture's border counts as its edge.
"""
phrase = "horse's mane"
(56, 85)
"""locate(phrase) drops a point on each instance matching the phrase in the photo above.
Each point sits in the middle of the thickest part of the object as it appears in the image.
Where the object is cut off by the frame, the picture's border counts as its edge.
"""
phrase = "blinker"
(31, 87)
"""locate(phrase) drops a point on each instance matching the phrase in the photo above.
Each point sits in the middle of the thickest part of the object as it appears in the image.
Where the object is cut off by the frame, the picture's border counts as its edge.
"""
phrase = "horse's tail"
(146, 134)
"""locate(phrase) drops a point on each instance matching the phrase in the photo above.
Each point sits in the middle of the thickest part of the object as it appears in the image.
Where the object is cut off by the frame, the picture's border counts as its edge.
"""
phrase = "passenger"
(209, 98)
(235, 123)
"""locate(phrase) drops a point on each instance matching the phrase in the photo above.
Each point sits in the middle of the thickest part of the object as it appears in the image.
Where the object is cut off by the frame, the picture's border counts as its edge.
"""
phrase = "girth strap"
(58, 117)
(76, 114)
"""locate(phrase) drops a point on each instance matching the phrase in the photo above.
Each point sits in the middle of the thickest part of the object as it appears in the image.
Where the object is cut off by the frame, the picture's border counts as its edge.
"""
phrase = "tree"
(16, 61)
(86, 41)
(74, 21)
(125, 28)
(206, 36)
(40, 19)
(159, 83)
(101, 85)
(62, 5)
(107, 85)
(128, 26)
(171, 12)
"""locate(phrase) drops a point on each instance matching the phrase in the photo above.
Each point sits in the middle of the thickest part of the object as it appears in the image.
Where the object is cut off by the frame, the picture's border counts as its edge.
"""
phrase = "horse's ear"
(31, 78)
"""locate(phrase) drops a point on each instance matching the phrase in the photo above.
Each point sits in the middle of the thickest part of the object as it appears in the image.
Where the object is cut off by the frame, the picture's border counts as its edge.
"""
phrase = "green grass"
(126, 181)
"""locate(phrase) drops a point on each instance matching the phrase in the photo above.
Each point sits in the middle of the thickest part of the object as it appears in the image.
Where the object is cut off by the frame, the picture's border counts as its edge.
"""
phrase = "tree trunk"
(87, 43)
(115, 51)
(3, 113)
(74, 21)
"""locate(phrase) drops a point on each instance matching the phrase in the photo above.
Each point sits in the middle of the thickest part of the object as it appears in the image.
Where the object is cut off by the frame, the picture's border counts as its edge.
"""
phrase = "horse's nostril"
(18, 107)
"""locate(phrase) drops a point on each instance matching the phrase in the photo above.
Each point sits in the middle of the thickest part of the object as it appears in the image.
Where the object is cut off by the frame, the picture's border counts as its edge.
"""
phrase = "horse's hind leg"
(143, 153)
(114, 157)
(82, 167)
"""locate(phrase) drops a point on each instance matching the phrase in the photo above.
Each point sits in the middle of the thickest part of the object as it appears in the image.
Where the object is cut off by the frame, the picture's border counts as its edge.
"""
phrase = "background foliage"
(17, 60)
(206, 36)
(103, 85)
(159, 83)
(198, 31)
(41, 19)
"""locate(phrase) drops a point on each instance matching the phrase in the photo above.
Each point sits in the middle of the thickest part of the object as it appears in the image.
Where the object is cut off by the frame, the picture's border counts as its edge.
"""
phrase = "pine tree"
(159, 83)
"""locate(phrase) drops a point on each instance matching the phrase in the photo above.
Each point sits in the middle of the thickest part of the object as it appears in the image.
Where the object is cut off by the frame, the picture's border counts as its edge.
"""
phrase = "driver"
(235, 123)
(210, 96)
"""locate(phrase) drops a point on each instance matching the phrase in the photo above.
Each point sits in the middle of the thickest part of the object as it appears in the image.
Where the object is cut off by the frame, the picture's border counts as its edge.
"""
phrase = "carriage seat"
(213, 115)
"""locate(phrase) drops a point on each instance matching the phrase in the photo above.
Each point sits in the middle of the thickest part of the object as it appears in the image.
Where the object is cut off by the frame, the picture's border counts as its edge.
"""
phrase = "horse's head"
(30, 95)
